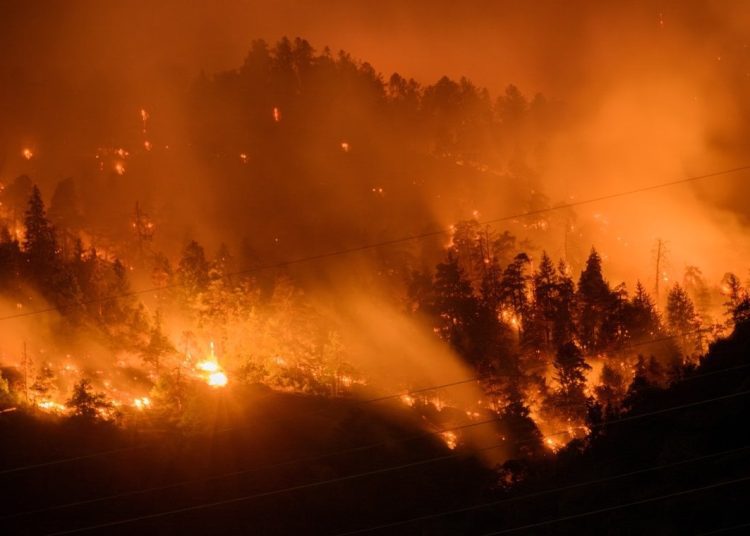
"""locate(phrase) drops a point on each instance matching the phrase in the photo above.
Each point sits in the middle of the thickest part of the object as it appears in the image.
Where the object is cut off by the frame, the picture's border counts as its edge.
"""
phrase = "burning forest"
(262, 286)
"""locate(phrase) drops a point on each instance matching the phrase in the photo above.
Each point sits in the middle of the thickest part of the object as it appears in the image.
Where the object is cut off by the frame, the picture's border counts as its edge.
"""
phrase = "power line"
(299, 460)
(615, 507)
(203, 506)
(351, 450)
(541, 493)
(726, 529)
(299, 487)
(368, 401)
(395, 241)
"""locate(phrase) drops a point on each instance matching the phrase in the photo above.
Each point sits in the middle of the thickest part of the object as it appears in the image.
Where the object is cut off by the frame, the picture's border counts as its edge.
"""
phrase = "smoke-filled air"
(352, 267)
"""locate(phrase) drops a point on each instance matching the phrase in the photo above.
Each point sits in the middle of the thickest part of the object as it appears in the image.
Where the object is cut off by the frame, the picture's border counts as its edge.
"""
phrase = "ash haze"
(331, 202)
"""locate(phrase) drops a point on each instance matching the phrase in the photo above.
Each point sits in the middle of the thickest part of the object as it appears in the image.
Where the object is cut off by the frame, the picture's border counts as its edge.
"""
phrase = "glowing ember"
(345, 146)
(451, 439)
(120, 168)
(408, 400)
(27, 153)
(276, 114)
(147, 145)
(551, 444)
(243, 157)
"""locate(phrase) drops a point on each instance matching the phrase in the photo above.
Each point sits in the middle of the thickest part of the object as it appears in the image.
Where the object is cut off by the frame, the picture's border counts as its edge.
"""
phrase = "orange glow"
(120, 168)
(276, 114)
(27, 153)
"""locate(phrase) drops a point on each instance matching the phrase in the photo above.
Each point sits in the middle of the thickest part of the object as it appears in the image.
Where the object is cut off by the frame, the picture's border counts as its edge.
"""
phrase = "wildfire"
(142, 403)
(408, 400)
(51, 406)
(451, 439)
(120, 168)
(147, 145)
(551, 444)
(27, 153)
(276, 114)
(345, 146)
(243, 158)
(212, 371)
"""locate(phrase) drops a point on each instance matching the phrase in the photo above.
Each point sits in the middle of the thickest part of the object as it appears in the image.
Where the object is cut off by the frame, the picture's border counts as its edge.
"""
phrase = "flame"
(217, 379)
(345, 146)
(142, 403)
(214, 374)
(51, 406)
(147, 145)
(276, 114)
(408, 400)
(551, 444)
(27, 153)
(451, 439)
(243, 157)
(120, 168)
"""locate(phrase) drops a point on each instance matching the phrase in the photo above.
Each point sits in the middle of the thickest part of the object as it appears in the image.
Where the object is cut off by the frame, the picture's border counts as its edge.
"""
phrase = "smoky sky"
(654, 89)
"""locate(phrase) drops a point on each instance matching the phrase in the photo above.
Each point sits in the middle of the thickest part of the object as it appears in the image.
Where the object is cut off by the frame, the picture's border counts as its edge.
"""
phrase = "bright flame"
(142, 403)
(208, 366)
(51, 406)
(120, 168)
(217, 379)
(451, 439)
(345, 146)
(27, 153)
(276, 114)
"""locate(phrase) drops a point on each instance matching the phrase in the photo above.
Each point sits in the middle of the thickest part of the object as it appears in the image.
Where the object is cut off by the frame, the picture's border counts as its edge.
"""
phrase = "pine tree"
(88, 404)
(593, 298)
(192, 272)
(39, 245)
(682, 320)
(514, 290)
(158, 346)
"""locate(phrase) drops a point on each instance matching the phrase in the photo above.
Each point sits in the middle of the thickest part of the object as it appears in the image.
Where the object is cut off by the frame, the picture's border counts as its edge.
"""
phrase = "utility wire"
(60, 461)
(541, 493)
(615, 507)
(395, 241)
(203, 506)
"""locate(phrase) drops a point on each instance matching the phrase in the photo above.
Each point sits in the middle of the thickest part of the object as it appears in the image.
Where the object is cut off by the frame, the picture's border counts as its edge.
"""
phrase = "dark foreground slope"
(677, 463)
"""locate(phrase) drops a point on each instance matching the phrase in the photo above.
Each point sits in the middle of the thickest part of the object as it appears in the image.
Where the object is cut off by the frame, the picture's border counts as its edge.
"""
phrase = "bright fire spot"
(345, 146)
(122, 153)
(51, 406)
(215, 376)
(243, 157)
(27, 153)
(217, 379)
(120, 168)
(144, 115)
(408, 400)
(142, 403)
(147, 145)
(276, 114)
(208, 366)
(451, 439)
(551, 444)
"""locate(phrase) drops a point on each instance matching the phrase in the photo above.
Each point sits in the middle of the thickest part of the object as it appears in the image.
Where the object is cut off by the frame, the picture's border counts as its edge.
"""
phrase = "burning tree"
(87, 404)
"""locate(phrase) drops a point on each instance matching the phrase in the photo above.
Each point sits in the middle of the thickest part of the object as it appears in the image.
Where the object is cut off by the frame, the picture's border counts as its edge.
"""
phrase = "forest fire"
(422, 279)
